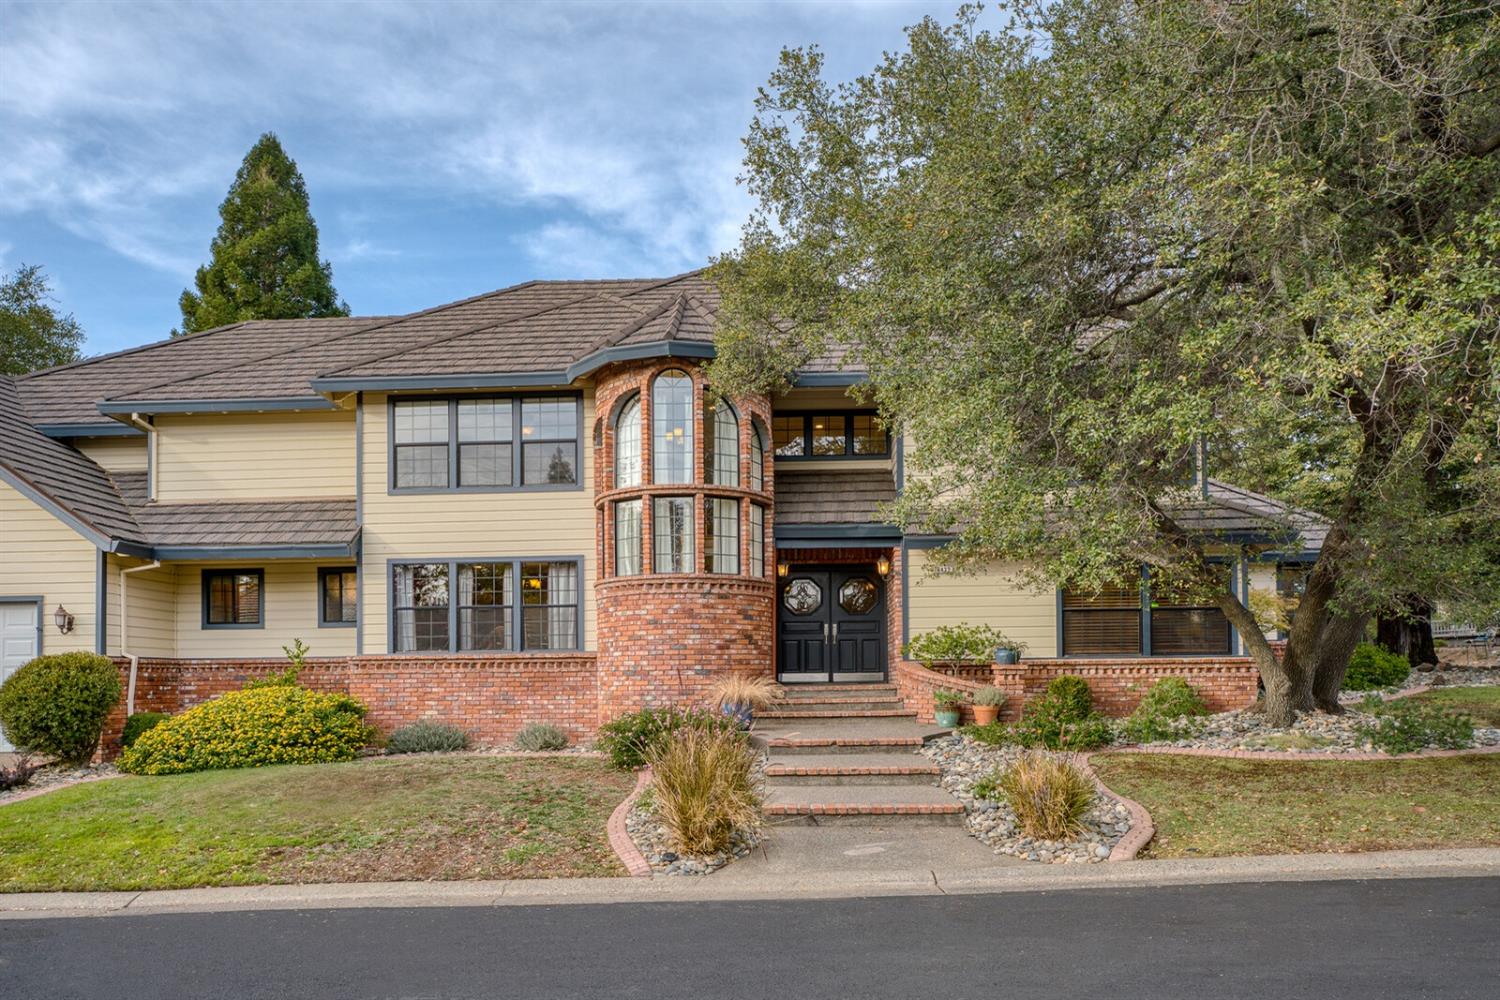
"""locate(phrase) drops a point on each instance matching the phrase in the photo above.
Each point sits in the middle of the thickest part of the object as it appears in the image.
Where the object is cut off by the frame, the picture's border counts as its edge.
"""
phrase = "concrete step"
(816, 712)
(854, 702)
(841, 736)
(862, 805)
(876, 768)
(821, 691)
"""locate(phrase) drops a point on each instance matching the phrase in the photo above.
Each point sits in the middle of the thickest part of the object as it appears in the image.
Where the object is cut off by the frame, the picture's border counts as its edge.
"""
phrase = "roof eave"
(113, 407)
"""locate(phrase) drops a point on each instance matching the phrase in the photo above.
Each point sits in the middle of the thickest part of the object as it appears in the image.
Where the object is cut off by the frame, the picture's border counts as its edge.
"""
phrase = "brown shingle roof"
(257, 522)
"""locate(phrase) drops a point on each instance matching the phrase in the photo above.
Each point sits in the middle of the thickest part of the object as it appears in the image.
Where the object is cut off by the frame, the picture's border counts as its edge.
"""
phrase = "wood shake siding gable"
(41, 556)
(255, 455)
(469, 526)
(992, 596)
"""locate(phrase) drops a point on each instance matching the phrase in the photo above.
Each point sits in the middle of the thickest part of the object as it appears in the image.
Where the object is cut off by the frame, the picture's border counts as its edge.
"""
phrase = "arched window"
(672, 427)
(724, 447)
(628, 444)
(757, 457)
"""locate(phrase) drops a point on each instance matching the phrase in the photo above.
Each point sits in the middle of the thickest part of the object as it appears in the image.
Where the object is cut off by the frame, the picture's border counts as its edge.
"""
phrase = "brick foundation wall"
(1224, 683)
(491, 698)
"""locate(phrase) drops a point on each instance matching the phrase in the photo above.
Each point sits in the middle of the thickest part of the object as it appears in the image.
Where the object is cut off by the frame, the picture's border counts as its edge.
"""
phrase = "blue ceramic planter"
(947, 717)
(1007, 657)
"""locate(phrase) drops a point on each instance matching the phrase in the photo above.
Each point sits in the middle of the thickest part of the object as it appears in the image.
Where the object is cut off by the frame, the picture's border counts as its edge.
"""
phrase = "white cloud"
(620, 122)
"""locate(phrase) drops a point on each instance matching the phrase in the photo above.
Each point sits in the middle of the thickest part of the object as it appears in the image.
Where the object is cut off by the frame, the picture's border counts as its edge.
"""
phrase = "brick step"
(820, 691)
(836, 713)
(851, 769)
(782, 745)
(855, 805)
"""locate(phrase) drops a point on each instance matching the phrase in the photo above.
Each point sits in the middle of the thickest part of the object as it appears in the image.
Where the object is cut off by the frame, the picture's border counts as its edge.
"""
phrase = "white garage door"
(17, 642)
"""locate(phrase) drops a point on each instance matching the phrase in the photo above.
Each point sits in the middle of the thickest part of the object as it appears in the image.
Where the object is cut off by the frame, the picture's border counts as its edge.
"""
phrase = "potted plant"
(947, 707)
(988, 700)
(1008, 651)
(739, 695)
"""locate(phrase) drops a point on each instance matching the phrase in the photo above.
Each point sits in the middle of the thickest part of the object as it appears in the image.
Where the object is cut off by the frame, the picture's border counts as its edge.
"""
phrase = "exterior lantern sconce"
(782, 568)
(62, 620)
(883, 565)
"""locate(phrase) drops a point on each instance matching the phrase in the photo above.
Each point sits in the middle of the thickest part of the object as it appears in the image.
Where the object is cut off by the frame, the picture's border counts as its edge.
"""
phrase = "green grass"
(382, 819)
(1207, 807)
(1482, 704)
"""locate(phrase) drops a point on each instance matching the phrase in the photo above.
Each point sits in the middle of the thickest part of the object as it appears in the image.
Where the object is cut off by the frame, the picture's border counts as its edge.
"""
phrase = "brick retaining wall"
(490, 697)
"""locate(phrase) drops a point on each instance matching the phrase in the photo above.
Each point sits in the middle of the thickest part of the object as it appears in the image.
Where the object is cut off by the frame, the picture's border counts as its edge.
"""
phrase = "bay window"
(672, 535)
(628, 444)
(672, 428)
(724, 450)
(722, 546)
(627, 538)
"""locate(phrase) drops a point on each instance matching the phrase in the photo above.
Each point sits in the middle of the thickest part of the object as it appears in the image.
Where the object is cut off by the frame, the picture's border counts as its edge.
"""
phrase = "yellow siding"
(990, 597)
(116, 454)
(249, 455)
(41, 556)
(468, 525)
(150, 602)
(290, 612)
(1263, 578)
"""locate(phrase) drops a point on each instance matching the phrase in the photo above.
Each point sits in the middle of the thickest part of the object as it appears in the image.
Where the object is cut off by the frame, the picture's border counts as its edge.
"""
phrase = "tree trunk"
(1409, 633)
(1340, 635)
(1283, 687)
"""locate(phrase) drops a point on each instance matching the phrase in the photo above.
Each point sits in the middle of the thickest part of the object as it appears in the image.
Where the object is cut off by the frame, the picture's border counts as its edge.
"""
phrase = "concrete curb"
(11, 800)
(1142, 829)
(619, 838)
(1464, 863)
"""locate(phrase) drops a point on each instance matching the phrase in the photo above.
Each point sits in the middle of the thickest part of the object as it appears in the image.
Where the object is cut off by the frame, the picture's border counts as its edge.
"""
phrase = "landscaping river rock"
(964, 761)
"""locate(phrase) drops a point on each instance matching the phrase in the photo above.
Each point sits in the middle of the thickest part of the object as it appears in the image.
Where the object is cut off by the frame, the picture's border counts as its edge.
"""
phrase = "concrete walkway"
(772, 883)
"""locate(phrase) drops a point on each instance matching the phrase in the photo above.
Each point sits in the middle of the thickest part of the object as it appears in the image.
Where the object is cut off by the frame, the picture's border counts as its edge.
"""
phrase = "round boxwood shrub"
(56, 704)
(138, 724)
(252, 728)
(1072, 695)
(1374, 666)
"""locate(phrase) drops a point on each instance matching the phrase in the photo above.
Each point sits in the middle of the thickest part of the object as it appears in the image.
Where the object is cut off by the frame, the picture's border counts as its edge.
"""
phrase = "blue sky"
(448, 149)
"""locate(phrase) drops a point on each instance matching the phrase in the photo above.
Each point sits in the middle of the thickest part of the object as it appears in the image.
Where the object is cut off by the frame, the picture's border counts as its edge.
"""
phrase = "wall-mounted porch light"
(783, 568)
(62, 620)
(883, 565)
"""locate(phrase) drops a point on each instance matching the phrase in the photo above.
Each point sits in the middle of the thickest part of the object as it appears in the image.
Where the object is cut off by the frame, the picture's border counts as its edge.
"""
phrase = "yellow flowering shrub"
(253, 728)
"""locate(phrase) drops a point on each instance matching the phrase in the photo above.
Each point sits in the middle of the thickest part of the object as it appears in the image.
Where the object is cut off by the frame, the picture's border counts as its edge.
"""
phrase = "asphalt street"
(1405, 938)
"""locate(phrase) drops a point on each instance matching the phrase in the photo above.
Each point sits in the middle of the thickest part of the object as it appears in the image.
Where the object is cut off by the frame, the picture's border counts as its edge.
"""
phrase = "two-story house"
(524, 506)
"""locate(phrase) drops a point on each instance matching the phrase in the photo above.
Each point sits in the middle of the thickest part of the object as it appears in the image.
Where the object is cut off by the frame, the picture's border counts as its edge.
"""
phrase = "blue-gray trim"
(332, 550)
(1057, 621)
(325, 571)
(836, 534)
(111, 428)
(40, 600)
(251, 405)
(516, 444)
(205, 625)
(517, 624)
(929, 541)
(101, 602)
(900, 463)
(828, 380)
(1145, 610)
(905, 595)
(359, 611)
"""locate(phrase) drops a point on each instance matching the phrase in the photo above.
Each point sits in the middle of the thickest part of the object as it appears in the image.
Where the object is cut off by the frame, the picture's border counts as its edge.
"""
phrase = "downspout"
(150, 431)
(124, 646)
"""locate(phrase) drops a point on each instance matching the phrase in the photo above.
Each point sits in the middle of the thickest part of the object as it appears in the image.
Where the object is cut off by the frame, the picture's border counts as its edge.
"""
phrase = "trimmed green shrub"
(427, 736)
(540, 736)
(1373, 667)
(1165, 713)
(1406, 725)
(629, 740)
(995, 734)
(1071, 693)
(253, 728)
(57, 704)
(138, 724)
(962, 643)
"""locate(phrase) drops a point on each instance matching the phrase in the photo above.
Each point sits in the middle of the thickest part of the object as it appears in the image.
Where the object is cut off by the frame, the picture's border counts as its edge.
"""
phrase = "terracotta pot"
(985, 714)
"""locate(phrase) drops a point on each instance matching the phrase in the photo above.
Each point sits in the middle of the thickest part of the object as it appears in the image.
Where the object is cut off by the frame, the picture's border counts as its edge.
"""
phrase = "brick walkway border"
(1142, 829)
(634, 861)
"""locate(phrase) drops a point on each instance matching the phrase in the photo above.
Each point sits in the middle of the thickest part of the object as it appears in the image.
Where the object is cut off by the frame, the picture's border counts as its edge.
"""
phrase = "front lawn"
(1205, 807)
(1482, 704)
(382, 819)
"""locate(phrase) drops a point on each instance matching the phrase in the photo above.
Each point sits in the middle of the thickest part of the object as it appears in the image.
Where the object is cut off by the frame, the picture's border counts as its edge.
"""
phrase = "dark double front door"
(830, 625)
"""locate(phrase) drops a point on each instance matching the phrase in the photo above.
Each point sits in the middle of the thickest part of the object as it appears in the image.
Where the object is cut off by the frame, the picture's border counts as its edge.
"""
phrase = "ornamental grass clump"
(55, 705)
(253, 728)
(1049, 795)
(427, 736)
(755, 691)
(704, 789)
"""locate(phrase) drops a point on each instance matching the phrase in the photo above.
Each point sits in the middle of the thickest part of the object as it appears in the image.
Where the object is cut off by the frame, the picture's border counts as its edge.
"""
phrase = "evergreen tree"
(264, 260)
(32, 334)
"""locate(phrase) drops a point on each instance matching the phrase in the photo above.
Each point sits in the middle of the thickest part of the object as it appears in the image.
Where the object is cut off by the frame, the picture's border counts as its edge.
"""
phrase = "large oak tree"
(1072, 240)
